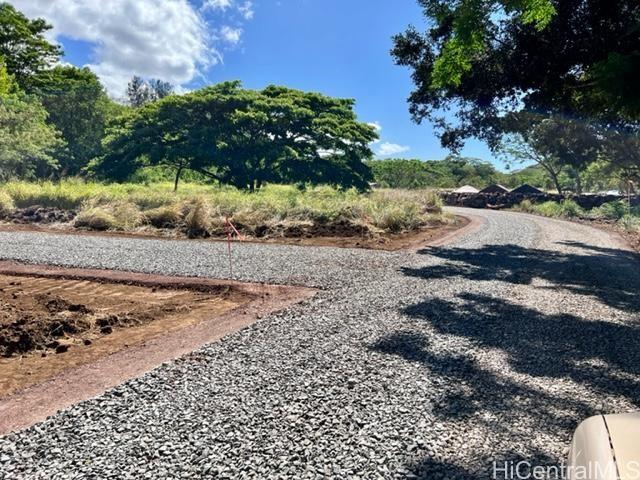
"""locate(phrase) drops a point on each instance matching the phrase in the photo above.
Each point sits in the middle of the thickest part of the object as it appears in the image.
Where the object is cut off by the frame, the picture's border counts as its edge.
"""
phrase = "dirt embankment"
(340, 233)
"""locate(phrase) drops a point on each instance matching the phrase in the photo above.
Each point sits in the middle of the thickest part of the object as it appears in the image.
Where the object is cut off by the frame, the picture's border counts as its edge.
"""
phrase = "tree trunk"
(178, 173)
(556, 182)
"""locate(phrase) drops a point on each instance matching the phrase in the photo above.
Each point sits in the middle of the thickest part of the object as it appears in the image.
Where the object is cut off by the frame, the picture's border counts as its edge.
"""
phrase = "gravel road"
(427, 365)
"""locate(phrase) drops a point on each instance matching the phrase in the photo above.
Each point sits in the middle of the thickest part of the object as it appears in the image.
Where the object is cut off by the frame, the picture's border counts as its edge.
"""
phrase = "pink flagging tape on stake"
(230, 230)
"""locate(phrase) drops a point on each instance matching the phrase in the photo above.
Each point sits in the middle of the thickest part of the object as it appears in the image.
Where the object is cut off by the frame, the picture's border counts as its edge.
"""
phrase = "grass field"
(200, 210)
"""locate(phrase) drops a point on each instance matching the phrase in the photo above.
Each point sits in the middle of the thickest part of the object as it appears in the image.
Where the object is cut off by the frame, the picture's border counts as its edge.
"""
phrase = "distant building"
(527, 189)
(496, 188)
(466, 189)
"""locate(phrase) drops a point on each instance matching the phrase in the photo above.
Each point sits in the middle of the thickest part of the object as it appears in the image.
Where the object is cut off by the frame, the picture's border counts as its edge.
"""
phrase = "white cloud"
(231, 35)
(217, 4)
(246, 10)
(375, 125)
(378, 128)
(387, 148)
(168, 39)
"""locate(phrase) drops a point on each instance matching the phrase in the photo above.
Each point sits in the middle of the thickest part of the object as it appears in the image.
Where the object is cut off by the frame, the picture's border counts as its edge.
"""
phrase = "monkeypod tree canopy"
(482, 58)
(245, 138)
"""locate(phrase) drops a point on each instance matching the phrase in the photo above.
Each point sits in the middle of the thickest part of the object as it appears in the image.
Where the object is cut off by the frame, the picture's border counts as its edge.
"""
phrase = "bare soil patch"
(112, 325)
(50, 324)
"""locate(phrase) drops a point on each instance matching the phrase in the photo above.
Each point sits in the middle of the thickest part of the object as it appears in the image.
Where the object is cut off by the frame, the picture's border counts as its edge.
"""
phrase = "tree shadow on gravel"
(481, 330)
(602, 354)
(610, 275)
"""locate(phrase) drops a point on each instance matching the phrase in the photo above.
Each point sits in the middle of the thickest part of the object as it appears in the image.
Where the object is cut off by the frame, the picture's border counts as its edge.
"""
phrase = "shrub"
(6, 203)
(630, 223)
(525, 206)
(548, 209)
(610, 211)
(569, 208)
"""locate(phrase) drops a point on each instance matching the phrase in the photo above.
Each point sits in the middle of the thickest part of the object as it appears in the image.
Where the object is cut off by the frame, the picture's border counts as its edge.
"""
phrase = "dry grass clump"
(6, 203)
(168, 216)
(113, 216)
(197, 218)
(95, 218)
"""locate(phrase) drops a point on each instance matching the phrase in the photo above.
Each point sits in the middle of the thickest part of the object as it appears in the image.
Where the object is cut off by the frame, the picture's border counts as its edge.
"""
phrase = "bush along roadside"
(200, 210)
(617, 213)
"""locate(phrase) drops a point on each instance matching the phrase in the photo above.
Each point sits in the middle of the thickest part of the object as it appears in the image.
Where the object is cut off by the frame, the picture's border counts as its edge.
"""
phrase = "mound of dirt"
(37, 214)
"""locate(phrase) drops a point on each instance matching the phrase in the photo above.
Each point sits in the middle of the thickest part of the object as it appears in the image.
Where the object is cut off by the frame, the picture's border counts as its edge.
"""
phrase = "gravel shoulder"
(428, 364)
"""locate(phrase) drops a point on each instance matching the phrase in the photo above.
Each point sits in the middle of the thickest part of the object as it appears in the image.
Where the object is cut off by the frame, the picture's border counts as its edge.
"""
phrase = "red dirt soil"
(159, 319)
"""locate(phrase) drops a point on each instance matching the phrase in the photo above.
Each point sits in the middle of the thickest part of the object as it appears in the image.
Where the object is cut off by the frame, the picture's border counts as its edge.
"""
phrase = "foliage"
(78, 108)
(244, 138)
(558, 145)
(7, 83)
(26, 140)
(450, 172)
(401, 173)
(23, 46)
(630, 223)
(610, 211)
(577, 58)
(202, 208)
(141, 92)
(617, 211)
(567, 208)
(160, 88)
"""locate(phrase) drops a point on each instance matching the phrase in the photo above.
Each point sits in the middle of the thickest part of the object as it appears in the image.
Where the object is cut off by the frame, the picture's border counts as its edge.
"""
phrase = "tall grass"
(6, 203)
(201, 208)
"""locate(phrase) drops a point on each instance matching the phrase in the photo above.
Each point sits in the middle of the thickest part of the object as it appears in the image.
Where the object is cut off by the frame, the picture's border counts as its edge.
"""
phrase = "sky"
(337, 47)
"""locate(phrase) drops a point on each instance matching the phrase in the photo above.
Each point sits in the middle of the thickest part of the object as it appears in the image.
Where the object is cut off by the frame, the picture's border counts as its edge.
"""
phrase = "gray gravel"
(427, 365)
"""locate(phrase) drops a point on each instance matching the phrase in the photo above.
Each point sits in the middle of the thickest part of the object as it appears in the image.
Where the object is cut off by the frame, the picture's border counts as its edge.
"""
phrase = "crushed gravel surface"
(427, 365)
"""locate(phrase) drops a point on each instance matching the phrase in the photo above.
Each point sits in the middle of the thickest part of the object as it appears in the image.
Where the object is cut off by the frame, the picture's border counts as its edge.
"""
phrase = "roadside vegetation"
(617, 212)
(200, 210)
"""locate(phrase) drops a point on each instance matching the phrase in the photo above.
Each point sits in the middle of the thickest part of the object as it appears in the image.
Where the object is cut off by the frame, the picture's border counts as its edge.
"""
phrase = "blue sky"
(337, 47)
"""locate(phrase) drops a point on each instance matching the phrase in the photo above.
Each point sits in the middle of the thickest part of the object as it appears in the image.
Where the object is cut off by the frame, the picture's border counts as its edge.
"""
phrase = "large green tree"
(576, 58)
(245, 138)
(26, 140)
(25, 50)
(78, 108)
